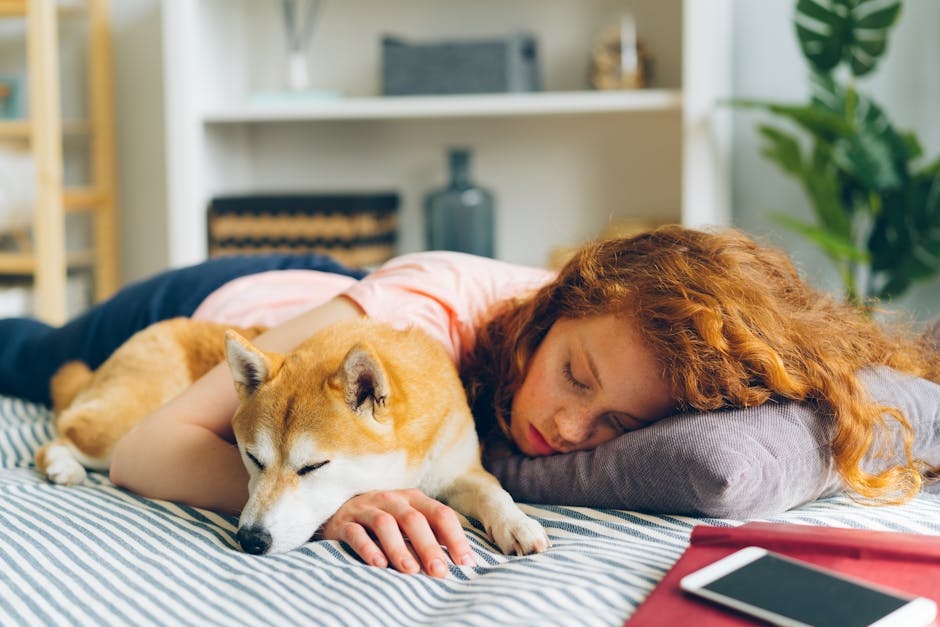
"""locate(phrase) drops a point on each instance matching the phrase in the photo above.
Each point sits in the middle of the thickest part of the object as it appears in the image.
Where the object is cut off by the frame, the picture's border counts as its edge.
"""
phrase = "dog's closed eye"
(311, 467)
(255, 460)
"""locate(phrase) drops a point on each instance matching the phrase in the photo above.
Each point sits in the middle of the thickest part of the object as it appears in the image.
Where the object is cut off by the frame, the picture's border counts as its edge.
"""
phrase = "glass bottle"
(461, 216)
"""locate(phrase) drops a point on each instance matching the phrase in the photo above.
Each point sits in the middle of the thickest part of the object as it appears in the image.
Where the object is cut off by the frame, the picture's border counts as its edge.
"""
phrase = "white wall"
(140, 135)
(768, 66)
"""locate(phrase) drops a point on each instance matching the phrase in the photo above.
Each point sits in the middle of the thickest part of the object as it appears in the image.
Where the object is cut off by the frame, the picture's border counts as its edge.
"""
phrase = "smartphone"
(784, 591)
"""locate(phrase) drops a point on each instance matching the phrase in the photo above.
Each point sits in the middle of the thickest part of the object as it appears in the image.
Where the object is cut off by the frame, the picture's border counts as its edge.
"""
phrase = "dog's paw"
(61, 467)
(519, 535)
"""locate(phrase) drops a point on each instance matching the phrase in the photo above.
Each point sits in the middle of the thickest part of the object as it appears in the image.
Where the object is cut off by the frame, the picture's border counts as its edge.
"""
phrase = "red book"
(903, 561)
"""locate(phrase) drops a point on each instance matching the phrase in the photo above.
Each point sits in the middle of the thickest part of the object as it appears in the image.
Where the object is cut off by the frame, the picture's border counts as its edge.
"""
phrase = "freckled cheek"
(519, 411)
(525, 406)
(540, 411)
(538, 393)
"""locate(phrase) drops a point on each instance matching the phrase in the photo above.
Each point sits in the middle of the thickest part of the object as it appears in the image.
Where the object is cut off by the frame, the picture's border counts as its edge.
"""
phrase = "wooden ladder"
(48, 261)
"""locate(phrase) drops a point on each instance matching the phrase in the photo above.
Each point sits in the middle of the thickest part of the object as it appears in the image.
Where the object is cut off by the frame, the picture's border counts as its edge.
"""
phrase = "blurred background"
(514, 128)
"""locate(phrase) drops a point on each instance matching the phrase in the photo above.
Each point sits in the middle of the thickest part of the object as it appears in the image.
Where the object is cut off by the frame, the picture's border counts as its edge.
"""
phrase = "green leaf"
(905, 239)
(912, 147)
(871, 34)
(864, 143)
(835, 246)
(932, 169)
(869, 158)
(850, 31)
(818, 177)
(783, 149)
(872, 152)
(821, 33)
(895, 286)
(825, 190)
(874, 16)
(818, 121)
(826, 93)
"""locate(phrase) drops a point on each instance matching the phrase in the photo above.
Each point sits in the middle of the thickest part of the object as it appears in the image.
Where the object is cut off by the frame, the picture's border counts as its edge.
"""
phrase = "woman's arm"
(184, 450)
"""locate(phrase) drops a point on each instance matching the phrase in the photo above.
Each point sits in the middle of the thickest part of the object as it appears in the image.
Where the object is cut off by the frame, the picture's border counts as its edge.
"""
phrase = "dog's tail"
(70, 379)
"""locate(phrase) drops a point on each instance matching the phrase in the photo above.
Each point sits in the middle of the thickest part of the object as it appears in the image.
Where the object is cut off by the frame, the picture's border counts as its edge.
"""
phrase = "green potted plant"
(876, 210)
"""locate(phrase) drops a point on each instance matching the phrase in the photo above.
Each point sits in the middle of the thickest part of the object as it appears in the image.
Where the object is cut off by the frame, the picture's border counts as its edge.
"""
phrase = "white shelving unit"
(469, 106)
(563, 162)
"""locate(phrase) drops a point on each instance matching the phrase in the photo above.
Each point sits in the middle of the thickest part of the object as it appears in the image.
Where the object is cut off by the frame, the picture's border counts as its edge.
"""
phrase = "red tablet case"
(903, 561)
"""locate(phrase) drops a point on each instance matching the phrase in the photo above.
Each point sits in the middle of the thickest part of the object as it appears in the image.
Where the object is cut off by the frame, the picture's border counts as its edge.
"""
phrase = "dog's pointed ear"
(365, 382)
(250, 366)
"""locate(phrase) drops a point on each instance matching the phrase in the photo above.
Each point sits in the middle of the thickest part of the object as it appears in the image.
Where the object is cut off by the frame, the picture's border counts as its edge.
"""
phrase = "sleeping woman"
(678, 371)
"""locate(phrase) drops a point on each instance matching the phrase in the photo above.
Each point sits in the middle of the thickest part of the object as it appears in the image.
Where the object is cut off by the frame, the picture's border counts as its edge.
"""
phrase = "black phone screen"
(805, 594)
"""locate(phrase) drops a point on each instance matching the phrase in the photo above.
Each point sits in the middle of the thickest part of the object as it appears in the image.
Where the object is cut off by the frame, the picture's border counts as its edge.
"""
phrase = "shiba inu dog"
(359, 406)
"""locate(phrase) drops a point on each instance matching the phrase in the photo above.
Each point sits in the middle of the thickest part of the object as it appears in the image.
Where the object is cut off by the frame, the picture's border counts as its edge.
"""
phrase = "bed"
(96, 554)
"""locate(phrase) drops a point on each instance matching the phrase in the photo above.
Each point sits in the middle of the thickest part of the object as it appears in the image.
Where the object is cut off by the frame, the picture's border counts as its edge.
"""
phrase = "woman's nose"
(574, 427)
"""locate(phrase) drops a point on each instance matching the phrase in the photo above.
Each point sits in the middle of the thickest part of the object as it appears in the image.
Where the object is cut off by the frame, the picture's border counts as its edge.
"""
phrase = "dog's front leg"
(478, 494)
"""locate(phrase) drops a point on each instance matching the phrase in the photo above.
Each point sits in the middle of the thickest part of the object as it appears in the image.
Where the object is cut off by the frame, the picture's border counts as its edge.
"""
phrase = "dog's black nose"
(255, 540)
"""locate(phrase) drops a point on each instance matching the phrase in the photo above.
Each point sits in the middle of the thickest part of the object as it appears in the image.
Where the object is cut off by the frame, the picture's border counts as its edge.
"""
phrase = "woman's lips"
(538, 443)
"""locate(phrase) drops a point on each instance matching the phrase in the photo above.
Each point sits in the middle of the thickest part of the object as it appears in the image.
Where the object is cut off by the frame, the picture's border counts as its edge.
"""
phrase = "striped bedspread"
(97, 555)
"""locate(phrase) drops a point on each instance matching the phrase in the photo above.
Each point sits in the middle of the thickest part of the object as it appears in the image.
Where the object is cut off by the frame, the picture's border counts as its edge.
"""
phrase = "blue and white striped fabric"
(94, 554)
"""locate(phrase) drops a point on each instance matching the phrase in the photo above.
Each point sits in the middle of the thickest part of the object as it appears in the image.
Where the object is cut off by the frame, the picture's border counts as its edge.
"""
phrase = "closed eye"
(311, 467)
(569, 375)
(623, 423)
(255, 460)
(614, 422)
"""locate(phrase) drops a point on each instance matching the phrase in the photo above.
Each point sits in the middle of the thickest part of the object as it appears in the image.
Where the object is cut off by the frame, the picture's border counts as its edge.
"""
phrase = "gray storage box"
(477, 66)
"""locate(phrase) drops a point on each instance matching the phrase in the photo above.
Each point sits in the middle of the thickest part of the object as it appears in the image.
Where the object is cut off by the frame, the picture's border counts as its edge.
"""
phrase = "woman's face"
(589, 381)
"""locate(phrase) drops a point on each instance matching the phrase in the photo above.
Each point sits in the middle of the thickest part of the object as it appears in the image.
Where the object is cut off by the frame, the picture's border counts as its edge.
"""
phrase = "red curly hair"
(733, 325)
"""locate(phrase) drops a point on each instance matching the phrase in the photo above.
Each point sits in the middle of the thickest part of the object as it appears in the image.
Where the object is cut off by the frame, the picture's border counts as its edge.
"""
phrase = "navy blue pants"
(31, 351)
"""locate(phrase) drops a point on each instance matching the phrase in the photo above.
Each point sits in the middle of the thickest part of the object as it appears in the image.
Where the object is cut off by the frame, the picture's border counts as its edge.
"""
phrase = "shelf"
(24, 264)
(17, 263)
(80, 199)
(19, 129)
(293, 108)
(17, 8)
(12, 8)
(14, 129)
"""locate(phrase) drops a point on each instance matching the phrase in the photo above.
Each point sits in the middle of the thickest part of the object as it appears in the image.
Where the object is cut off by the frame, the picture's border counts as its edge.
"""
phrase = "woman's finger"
(359, 540)
(447, 529)
(388, 532)
(416, 526)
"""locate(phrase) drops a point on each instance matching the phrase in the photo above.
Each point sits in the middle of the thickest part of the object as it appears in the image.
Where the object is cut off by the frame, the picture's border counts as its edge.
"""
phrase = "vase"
(461, 216)
(300, 17)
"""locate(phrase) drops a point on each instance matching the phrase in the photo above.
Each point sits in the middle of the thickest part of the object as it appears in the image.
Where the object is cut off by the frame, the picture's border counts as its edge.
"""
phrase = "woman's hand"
(375, 525)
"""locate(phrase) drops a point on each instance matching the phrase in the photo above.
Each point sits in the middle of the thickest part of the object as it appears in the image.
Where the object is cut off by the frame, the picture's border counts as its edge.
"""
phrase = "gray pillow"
(735, 464)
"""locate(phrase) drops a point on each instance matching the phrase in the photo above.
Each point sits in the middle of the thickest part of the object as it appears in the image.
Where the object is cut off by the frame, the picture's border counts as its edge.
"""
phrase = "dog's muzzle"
(255, 540)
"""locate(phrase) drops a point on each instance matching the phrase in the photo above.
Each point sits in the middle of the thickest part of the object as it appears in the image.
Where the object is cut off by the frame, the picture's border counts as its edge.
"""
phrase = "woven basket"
(355, 229)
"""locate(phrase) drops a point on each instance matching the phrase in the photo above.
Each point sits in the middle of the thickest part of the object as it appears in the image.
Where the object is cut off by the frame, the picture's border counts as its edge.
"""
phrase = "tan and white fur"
(357, 407)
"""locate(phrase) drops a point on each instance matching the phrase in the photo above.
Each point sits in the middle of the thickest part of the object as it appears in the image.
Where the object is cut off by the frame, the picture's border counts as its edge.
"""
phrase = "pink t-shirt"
(447, 294)
(269, 298)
